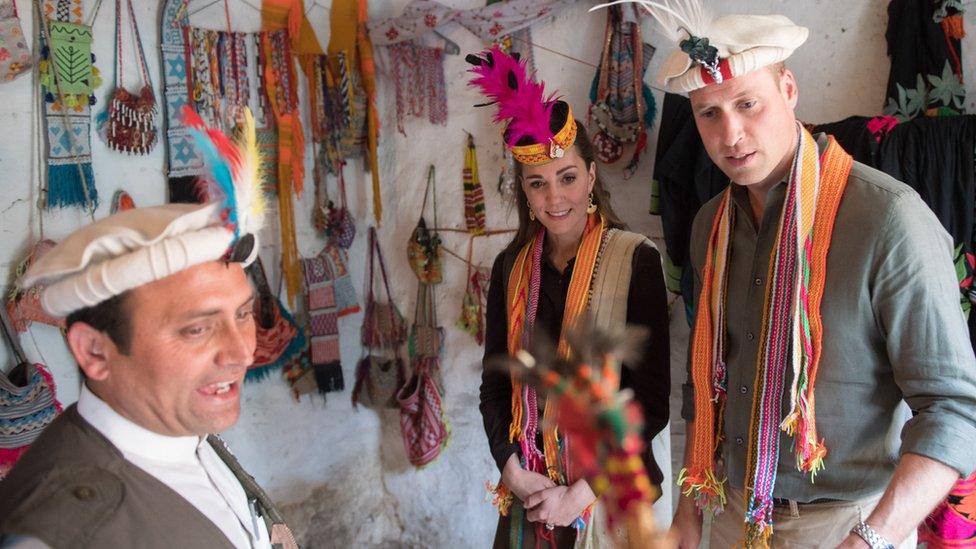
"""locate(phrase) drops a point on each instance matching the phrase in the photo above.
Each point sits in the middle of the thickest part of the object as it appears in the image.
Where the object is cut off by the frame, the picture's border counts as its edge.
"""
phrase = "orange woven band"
(541, 153)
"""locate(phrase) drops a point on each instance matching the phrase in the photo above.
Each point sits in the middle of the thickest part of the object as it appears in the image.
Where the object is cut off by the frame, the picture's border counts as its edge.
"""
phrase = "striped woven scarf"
(791, 338)
(522, 303)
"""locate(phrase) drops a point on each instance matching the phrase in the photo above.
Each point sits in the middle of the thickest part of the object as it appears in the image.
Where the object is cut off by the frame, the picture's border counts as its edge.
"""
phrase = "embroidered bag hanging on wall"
(425, 432)
(424, 247)
(383, 325)
(426, 341)
(380, 371)
(27, 402)
(128, 123)
(340, 227)
(24, 305)
(15, 58)
(472, 319)
(623, 107)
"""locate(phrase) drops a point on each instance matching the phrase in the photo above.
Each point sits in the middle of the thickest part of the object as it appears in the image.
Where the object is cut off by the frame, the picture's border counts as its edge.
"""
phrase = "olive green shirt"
(893, 332)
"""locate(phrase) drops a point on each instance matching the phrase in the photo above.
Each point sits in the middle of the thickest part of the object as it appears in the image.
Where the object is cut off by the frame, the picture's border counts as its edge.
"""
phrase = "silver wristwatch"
(871, 537)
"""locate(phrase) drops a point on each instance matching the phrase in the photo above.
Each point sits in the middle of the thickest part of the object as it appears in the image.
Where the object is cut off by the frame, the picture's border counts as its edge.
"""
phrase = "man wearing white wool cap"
(159, 320)
(825, 297)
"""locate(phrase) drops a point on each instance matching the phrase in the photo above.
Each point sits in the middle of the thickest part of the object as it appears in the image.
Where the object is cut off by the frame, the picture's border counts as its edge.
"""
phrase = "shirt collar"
(777, 194)
(130, 438)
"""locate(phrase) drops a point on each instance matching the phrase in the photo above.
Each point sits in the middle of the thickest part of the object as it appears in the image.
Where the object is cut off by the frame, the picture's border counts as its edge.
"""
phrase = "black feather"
(473, 59)
(512, 81)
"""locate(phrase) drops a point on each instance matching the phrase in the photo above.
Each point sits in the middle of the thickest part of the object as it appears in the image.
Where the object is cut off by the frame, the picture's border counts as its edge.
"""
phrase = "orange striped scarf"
(816, 187)
(522, 300)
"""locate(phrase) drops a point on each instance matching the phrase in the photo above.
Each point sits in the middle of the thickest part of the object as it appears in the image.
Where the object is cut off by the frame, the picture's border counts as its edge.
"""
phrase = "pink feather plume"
(525, 104)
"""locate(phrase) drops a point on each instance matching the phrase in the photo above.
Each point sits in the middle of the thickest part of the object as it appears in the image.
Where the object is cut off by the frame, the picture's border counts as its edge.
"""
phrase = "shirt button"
(758, 282)
(750, 336)
(739, 441)
(84, 493)
(743, 389)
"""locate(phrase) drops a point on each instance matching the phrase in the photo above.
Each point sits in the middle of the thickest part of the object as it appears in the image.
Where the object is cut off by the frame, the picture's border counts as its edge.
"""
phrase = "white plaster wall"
(342, 472)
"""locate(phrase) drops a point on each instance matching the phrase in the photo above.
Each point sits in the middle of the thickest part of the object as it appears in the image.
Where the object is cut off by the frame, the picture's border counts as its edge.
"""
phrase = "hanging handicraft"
(474, 195)
(422, 424)
(622, 105)
(183, 161)
(472, 319)
(24, 304)
(128, 123)
(27, 401)
(68, 76)
(380, 371)
(278, 339)
(418, 75)
(323, 322)
(15, 58)
(424, 247)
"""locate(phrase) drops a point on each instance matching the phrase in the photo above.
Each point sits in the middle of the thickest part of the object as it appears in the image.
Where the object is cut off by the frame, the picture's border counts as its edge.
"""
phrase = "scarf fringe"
(758, 535)
(705, 487)
(502, 497)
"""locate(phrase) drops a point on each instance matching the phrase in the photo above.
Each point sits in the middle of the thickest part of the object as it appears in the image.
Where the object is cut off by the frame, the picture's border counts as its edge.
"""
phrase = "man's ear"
(788, 87)
(90, 348)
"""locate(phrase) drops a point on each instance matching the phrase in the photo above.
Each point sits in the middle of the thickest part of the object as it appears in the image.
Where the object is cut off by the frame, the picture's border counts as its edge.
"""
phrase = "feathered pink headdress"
(502, 78)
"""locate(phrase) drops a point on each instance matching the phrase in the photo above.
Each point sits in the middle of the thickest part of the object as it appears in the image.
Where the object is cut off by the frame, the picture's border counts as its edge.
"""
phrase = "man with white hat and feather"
(825, 286)
(159, 320)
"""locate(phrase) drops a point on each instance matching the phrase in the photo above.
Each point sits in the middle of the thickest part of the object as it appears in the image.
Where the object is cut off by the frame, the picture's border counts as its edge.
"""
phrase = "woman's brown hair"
(584, 147)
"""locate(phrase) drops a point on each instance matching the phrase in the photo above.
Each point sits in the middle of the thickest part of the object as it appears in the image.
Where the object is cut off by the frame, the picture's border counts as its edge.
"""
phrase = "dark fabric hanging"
(934, 156)
(926, 68)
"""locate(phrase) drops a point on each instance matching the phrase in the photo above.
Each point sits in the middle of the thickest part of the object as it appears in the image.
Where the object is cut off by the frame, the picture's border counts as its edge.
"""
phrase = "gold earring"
(531, 213)
(591, 207)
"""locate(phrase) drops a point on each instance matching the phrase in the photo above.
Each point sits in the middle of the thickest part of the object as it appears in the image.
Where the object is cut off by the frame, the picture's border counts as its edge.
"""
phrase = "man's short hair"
(777, 68)
(110, 316)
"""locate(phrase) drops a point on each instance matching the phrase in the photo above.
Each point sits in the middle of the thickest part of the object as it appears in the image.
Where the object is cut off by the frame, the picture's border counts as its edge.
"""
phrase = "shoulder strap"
(10, 335)
(379, 256)
(370, 298)
(277, 528)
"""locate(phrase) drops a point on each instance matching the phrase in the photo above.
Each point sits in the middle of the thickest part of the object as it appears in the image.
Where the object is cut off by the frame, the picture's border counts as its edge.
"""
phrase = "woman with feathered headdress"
(570, 259)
